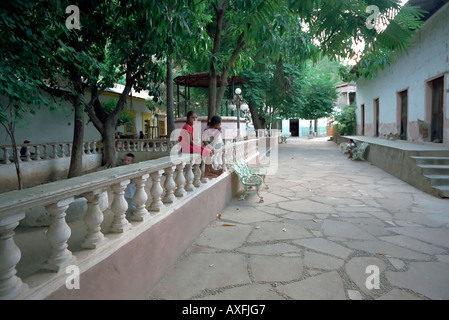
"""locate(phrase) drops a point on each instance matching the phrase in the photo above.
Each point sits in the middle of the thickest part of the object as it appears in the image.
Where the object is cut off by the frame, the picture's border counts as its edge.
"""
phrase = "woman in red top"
(188, 145)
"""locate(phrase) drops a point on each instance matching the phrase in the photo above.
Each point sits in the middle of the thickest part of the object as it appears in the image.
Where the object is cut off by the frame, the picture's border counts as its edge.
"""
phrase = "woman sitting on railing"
(189, 146)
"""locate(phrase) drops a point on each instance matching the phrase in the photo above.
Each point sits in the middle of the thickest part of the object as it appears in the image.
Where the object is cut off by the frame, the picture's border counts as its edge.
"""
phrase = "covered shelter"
(201, 80)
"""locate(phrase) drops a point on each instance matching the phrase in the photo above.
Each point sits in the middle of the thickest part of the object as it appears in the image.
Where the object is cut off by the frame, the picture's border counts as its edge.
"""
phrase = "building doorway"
(403, 105)
(362, 122)
(294, 127)
(376, 117)
(436, 123)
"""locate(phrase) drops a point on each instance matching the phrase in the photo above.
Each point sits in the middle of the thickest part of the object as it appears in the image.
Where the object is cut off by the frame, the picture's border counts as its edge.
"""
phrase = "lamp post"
(238, 103)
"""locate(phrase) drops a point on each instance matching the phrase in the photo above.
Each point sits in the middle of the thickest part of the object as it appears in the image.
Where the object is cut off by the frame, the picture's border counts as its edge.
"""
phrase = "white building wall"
(57, 126)
(427, 58)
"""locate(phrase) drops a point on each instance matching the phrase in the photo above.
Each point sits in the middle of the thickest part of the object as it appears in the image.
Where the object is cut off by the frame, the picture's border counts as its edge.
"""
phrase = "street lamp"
(238, 103)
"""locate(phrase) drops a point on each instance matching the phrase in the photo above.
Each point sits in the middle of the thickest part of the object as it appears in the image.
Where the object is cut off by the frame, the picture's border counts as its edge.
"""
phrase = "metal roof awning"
(201, 80)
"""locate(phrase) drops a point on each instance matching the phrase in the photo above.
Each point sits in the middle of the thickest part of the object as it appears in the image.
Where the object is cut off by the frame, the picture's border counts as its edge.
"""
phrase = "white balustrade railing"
(55, 150)
(148, 145)
(171, 178)
(45, 151)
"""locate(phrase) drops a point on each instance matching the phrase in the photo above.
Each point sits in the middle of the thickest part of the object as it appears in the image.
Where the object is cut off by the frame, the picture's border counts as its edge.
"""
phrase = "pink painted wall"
(133, 270)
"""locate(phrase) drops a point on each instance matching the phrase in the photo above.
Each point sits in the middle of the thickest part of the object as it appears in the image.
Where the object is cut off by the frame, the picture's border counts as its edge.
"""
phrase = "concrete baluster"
(189, 176)
(119, 207)
(37, 152)
(140, 198)
(27, 153)
(93, 219)
(203, 170)
(197, 173)
(156, 191)
(57, 235)
(62, 154)
(10, 285)
(6, 155)
(18, 154)
(69, 149)
(169, 185)
(180, 180)
(46, 154)
(55, 151)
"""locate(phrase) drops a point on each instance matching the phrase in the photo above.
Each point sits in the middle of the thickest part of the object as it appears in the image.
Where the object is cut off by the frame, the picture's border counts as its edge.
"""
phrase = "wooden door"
(437, 110)
(376, 117)
(403, 96)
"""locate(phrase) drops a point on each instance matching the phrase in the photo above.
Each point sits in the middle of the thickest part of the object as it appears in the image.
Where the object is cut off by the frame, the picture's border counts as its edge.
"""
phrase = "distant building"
(347, 92)
(408, 100)
(57, 126)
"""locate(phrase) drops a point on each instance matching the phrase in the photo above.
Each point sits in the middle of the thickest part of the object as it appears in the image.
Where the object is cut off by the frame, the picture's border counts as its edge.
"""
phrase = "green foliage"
(319, 93)
(291, 91)
(124, 117)
(26, 58)
(346, 119)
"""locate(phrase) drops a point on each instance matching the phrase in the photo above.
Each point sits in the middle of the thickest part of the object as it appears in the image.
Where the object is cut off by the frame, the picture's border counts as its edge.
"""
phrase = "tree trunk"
(16, 156)
(76, 159)
(255, 117)
(9, 127)
(170, 104)
(212, 103)
(108, 135)
(224, 75)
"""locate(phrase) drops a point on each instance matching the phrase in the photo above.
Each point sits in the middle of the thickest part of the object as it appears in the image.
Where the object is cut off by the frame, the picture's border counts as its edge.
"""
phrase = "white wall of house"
(427, 59)
(47, 126)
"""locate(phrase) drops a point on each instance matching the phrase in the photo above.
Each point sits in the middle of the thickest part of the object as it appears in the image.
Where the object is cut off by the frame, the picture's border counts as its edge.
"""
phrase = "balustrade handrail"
(183, 174)
(54, 191)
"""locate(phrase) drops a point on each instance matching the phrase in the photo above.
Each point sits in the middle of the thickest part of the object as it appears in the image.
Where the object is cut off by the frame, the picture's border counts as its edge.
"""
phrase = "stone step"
(430, 153)
(435, 169)
(443, 191)
(438, 179)
(431, 160)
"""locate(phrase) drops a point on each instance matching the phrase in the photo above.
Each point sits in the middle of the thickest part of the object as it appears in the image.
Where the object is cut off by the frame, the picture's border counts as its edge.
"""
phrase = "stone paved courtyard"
(324, 220)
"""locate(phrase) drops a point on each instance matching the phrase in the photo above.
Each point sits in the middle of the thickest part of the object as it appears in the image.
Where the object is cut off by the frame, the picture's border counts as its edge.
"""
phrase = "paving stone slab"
(438, 236)
(398, 294)
(385, 248)
(219, 236)
(358, 271)
(424, 218)
(276, 249)
(325, 246)
(413, 244)
(245, 215)
(344, 230)
(443, 258)
(306, 206)
(273, 269)
(321, 261)
(244, 292)
(278, 231)
(430, 279)
(202, 271)
(326, 286)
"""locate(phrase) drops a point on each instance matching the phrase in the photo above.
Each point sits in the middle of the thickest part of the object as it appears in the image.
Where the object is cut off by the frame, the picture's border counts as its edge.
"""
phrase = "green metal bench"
(251, 178)
(283, 138)
(358, 153)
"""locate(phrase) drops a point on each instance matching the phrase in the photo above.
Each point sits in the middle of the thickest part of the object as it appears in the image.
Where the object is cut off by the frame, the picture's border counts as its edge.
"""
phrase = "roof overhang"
(201, 80)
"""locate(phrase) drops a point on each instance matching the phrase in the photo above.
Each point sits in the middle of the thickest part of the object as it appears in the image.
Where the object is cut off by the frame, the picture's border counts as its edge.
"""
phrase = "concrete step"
(434, 169)
(430, 153)
(443, 191)
(431, 160)
(438, 179)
